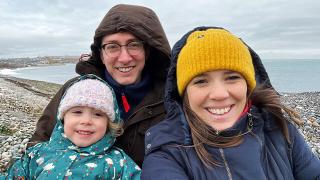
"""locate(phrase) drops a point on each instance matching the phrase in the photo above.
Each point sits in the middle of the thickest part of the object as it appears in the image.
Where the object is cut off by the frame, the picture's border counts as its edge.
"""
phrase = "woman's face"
(126, 64)
(218, 97)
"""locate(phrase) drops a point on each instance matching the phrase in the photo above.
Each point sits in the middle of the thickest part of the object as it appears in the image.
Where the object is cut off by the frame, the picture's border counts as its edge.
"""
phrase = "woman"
(131, 52)
(224, 121)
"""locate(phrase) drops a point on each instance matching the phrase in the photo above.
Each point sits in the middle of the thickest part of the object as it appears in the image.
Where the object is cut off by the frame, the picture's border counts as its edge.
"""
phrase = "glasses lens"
(135, 47)
(112, 49)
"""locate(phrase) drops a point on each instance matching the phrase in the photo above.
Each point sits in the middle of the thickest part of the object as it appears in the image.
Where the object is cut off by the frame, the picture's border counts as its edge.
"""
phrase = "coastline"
(22, 102)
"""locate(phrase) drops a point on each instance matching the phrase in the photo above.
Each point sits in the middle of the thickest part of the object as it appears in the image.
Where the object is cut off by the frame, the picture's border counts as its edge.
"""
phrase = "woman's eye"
(199, 81)
(233, 77)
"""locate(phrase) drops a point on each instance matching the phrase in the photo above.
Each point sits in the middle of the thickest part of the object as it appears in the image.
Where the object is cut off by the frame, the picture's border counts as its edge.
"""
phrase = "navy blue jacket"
(263, 154)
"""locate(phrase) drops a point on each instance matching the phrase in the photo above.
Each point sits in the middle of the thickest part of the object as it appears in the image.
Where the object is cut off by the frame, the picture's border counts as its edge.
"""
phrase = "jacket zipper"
(259, 140)
(226, 164)
(257, 137)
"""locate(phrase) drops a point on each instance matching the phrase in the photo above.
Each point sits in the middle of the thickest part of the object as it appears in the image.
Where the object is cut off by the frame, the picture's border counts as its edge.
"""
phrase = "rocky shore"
(22, 102)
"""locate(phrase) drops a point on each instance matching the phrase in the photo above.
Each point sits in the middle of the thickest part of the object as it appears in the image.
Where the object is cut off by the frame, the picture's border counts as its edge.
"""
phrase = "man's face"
(123, 56)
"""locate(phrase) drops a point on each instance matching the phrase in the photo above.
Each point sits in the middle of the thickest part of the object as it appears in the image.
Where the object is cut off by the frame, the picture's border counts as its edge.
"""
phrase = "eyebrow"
(117, 42)
(201, 75)
(230, 72)
(227, 72)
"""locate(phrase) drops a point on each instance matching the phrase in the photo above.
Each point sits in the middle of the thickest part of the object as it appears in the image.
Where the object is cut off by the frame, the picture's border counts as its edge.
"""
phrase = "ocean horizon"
(292, 76)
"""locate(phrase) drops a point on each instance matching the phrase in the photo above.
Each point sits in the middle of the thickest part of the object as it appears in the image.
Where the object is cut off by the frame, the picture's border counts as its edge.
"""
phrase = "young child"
(81, 145)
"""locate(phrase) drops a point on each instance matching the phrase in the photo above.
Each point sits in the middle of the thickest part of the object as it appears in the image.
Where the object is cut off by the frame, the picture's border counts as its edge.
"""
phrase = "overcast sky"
(273, 28)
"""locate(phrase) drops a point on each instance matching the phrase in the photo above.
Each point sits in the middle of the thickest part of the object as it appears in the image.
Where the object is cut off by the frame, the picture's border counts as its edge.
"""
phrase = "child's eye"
(98, 114)
(76, 112)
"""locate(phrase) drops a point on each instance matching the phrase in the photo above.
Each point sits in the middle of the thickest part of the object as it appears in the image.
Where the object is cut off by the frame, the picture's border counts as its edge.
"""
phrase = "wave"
(10, 72)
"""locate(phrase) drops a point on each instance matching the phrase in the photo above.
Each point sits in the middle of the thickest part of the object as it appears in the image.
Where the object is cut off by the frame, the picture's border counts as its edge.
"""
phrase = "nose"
(218, 91)
(124, 56)
(85, 119)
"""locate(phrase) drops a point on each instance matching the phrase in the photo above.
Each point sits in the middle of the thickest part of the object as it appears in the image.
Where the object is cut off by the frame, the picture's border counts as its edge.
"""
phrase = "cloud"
(274, 28)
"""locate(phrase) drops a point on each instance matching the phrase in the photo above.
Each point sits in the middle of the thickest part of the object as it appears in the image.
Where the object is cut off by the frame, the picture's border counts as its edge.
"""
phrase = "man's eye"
(112, 46)
(135, 44)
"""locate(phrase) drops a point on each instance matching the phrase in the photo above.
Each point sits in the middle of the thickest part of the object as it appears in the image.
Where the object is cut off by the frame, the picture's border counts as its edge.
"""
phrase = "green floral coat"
(60, 159)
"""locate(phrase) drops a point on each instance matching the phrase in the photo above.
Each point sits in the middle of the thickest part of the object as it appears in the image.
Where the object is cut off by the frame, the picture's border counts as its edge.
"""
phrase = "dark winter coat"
(144, 24)
(263, 154)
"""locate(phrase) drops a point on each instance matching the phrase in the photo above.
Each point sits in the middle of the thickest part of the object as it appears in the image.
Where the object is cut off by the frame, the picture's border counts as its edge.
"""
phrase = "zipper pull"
(125, 102)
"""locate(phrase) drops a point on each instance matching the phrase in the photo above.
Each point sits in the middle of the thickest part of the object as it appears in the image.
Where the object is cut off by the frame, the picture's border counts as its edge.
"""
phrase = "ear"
(249, 93)
(101, 52)
(146, 51)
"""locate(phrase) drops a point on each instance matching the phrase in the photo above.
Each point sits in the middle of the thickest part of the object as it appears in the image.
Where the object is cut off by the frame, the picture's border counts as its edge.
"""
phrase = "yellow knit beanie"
(213, 49)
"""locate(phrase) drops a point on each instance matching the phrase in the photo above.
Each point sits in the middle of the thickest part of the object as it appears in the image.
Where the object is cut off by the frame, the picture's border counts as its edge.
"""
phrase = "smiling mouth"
(81, 132)
(125, 69)
(219, 111)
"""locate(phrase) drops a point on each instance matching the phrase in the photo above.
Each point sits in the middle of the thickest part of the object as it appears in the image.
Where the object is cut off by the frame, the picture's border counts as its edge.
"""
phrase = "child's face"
(85, 126)
(218, 97)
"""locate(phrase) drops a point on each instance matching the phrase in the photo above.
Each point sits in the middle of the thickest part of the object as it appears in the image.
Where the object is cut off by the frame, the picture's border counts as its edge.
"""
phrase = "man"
(131, 52)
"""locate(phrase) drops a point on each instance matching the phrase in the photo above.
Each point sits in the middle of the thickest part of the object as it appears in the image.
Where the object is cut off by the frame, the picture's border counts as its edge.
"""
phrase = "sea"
(286, 75)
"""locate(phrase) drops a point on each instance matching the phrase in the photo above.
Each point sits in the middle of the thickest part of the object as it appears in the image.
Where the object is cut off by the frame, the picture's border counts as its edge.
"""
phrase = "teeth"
(84, 132)
(219, 111)
(124, 69)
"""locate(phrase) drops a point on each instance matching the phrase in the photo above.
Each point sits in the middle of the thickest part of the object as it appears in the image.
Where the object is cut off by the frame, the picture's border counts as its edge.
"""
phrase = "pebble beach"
(22, 102)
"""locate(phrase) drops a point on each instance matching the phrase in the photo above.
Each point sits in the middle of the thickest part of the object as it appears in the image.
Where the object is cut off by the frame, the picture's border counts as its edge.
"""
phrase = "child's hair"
(95, 93)
(116, 129)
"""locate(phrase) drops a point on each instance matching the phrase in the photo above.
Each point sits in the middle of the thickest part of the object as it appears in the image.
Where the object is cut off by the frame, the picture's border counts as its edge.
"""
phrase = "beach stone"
(6, 155)
(316, 124)
(2, 138)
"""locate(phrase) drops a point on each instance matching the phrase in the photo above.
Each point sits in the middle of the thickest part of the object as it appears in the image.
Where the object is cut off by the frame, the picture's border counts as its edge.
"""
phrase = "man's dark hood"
(143, 23)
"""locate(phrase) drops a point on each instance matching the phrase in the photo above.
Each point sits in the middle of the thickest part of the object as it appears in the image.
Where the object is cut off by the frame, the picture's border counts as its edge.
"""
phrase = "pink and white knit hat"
(92, 93)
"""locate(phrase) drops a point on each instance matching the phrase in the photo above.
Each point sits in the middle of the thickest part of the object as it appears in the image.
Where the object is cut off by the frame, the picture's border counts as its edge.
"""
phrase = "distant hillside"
(37, 61)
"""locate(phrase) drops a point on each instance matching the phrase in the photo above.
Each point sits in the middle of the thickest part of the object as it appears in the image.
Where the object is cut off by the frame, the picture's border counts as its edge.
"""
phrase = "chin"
(83, 145)
(127, 82)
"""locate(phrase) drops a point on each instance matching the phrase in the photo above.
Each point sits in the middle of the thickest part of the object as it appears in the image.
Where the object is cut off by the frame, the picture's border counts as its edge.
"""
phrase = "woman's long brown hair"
(202, 134)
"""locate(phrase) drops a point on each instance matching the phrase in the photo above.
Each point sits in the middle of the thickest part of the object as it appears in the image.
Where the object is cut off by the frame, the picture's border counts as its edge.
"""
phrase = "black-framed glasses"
(114, 49)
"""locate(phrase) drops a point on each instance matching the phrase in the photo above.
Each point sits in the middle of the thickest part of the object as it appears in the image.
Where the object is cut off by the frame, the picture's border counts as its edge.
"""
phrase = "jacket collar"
(60, 142)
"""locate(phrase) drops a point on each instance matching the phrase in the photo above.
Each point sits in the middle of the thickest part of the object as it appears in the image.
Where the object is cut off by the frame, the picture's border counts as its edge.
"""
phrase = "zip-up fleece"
(263, 154)
(144, 24)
